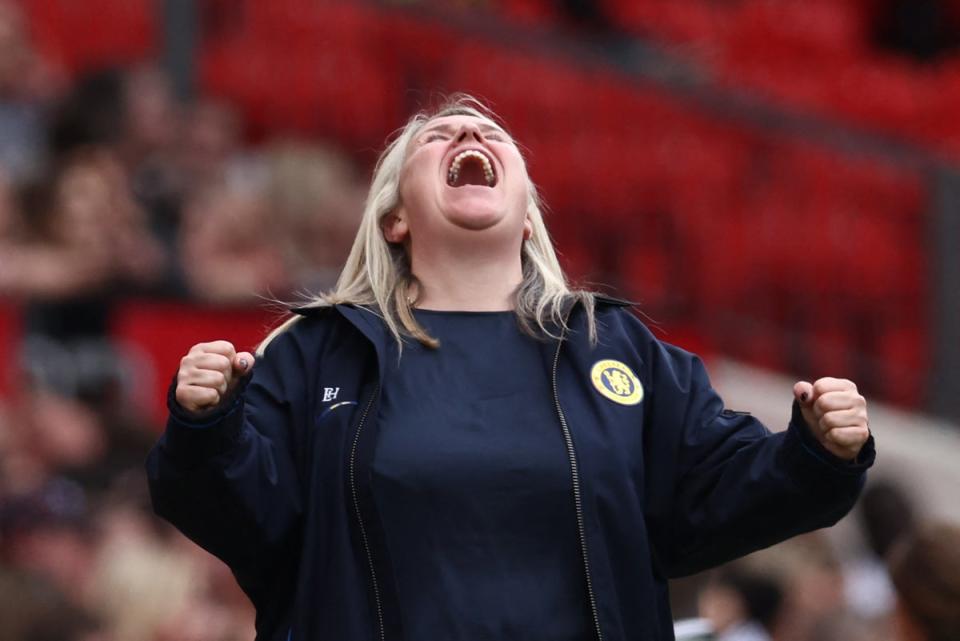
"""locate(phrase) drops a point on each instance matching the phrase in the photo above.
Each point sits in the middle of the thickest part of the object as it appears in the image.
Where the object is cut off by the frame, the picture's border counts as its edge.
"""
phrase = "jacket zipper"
(356, 506)
(575, 474)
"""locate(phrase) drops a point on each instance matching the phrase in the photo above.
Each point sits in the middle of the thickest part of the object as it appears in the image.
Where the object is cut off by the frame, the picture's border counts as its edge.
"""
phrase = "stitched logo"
(330, 394)
(617, 382)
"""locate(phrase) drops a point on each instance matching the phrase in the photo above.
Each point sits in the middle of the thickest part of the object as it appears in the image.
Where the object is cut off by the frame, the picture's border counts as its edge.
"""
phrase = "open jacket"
(664, 479)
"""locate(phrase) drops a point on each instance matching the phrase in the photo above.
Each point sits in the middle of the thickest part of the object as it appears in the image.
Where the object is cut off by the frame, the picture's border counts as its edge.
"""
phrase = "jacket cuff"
(812, 463)
(192, 437)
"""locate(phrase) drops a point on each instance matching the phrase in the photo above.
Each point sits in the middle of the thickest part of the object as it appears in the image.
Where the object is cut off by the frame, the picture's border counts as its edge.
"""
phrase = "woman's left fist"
(836, 414)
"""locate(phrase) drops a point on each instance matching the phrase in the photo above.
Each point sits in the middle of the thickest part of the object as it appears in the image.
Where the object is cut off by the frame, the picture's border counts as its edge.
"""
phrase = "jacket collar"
(371, 325)
(365, 319)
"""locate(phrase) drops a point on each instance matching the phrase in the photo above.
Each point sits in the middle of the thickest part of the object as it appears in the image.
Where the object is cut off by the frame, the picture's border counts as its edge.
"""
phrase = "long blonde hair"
(377, 273)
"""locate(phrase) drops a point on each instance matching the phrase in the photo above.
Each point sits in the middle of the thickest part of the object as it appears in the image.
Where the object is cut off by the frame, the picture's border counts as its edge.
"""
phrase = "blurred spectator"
(741, 604)
(26, 86)
(48, 435)
(133, 115)
(808, 573)
(33, 610)
(318, 198)
(84, 242)
(925, 566)
(80, 234)
(46, 533)
(148, 586)
(229, 245)
(844, 626)
(885, 513)
(210, 144)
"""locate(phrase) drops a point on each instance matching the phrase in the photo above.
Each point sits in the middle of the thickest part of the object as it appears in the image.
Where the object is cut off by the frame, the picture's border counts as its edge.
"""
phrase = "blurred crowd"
(897, 578)
(113, 187)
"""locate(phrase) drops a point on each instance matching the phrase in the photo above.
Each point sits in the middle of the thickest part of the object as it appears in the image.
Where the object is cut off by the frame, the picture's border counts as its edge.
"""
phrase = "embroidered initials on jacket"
(330, 394)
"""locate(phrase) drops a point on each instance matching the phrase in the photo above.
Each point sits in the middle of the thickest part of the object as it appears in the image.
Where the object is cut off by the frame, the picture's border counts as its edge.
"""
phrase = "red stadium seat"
(9, 346)
(85, 35)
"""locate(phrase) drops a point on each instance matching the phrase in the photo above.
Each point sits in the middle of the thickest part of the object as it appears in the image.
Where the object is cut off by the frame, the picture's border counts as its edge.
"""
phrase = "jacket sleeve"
(721, 485)
(229, 481)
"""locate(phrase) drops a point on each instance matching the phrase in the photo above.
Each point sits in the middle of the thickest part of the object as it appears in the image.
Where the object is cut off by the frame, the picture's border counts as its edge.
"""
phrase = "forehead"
(456, 121)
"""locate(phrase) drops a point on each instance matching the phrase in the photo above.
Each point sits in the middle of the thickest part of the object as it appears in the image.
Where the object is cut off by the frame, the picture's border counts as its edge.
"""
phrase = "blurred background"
(775, 182)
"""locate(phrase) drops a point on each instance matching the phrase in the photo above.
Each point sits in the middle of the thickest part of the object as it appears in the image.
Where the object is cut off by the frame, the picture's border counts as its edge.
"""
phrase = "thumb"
(243, 364)
(803, 392)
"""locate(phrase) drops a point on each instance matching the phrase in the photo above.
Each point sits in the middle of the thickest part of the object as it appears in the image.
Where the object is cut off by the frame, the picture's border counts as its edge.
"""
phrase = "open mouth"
(471, 167)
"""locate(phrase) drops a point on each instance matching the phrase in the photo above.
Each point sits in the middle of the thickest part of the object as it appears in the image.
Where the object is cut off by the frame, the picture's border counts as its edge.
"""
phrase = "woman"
(453, 444)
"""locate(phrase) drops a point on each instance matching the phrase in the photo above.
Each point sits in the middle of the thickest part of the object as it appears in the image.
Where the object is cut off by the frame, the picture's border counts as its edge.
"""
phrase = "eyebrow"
(448, 128)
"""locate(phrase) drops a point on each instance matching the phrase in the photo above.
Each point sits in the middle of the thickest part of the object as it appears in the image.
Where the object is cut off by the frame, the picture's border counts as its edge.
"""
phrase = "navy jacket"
(276, 483)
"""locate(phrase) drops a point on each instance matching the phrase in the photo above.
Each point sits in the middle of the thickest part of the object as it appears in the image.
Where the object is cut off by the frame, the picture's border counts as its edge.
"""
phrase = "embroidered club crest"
(617, 382)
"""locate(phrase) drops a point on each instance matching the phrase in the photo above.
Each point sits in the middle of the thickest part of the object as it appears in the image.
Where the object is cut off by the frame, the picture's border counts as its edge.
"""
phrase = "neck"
(467, 281)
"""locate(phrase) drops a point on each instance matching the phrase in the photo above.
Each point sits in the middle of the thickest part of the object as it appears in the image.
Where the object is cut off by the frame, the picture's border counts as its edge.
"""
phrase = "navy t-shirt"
(472, 480)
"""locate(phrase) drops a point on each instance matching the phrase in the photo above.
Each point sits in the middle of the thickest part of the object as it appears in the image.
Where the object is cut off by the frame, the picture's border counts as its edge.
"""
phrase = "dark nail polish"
(243, 363)
(803, 397)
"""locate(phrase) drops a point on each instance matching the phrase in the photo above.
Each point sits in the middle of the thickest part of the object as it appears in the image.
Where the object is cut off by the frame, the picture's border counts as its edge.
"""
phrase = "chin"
(475, 220)
(474, 213)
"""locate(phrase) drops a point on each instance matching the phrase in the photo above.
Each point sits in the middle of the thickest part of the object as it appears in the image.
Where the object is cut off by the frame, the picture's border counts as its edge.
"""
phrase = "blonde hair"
(377, 273)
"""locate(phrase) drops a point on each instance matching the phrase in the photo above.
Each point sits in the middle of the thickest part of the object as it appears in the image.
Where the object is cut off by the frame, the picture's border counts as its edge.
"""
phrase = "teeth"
(454, 172)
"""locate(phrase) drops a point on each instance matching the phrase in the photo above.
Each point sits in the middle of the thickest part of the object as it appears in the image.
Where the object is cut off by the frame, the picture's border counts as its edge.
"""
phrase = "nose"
(468, 130)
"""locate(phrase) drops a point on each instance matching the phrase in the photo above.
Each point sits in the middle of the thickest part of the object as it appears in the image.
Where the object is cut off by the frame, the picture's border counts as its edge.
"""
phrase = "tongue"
(471, 173)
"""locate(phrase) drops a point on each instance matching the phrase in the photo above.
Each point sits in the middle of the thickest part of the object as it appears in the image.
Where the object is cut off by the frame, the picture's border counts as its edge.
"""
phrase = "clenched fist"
(836, 413)
(208, 373)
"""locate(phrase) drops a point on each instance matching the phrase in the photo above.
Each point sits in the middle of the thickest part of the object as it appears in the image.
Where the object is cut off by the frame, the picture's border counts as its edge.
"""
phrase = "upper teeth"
(454, 172)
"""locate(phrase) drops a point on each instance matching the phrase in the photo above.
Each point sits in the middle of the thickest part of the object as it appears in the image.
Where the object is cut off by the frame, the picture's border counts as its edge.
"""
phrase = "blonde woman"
(455, 445)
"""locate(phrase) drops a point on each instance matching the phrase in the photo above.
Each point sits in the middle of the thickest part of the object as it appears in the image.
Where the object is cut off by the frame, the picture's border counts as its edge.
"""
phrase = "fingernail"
(803, 396)
(243, 363)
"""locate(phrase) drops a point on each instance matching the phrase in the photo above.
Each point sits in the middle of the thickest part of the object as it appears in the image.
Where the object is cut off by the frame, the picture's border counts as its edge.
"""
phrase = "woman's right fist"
(208, 373)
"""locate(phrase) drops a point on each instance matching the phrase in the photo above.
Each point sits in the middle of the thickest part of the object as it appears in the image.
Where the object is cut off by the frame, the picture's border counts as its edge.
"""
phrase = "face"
(462, 176)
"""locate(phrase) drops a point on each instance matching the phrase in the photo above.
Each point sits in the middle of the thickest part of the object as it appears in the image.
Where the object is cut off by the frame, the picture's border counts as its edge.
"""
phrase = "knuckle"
(227, 346)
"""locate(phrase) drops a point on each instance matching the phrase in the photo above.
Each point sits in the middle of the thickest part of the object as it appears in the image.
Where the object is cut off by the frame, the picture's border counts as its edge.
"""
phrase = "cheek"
(518, 187)
(416, 181)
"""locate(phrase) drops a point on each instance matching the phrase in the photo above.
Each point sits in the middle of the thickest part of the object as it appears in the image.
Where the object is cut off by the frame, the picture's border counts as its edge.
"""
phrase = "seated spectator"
(925, 567)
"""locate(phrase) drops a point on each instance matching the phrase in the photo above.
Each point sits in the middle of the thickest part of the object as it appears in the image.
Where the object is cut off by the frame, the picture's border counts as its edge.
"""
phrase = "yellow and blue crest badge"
(617, 382)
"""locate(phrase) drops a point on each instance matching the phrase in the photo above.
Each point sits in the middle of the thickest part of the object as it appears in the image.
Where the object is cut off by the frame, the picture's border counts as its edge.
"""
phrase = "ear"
(527, 228)
(394, 226)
